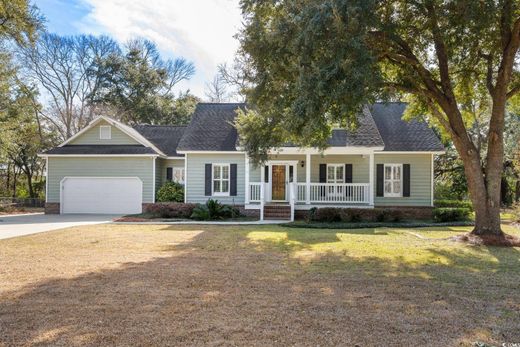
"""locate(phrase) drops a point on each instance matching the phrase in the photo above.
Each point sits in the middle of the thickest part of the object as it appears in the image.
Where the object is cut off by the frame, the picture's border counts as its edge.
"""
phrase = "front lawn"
(256, 286)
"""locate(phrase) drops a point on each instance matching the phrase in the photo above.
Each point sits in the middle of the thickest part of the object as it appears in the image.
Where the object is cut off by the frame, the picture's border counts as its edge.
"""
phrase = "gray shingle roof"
(400, 135)
(164, 137)
(101, 149)
(211, 128)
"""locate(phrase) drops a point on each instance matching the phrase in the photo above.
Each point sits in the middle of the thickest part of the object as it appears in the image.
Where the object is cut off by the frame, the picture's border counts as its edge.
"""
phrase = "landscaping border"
(365, 225)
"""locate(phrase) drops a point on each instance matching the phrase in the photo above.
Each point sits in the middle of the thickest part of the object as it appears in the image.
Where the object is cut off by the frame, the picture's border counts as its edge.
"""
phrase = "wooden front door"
(278, 182)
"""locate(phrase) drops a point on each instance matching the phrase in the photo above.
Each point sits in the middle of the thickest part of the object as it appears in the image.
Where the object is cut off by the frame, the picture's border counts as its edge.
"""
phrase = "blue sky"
(199, 30)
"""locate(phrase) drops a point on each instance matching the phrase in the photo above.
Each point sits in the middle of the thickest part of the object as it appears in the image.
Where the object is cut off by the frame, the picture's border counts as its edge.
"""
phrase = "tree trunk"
(517, 191)
(30, 185)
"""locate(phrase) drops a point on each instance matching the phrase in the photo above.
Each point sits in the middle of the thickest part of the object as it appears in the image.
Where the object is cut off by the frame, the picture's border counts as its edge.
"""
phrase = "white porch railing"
(254, 191)
(341, 193)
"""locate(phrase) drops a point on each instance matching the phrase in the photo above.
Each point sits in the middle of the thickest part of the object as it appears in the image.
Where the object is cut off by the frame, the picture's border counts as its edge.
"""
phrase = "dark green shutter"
(380, 183)
(323, 173)
(348, 173)
(233, 179)
(406, 180)
(207, 180)
(266, 174)
(169, 174)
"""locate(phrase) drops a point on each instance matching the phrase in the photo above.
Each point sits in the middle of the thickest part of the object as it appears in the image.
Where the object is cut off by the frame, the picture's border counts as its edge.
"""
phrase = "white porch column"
(308, 179)
(371, 179)
(262, 192)
(247, 179)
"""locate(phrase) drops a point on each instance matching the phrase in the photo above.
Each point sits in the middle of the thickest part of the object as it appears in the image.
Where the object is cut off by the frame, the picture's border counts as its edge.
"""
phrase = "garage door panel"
(102, 195)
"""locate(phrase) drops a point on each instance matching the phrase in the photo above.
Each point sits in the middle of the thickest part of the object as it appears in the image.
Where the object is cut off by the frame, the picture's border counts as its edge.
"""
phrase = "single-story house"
(110, 167)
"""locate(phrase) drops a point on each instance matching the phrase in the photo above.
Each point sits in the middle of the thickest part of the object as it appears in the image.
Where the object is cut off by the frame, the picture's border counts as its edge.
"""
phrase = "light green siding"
(91, 137)
(420, 179)
(196, 171)
(359, 166)
(59, 168)
(159, 167)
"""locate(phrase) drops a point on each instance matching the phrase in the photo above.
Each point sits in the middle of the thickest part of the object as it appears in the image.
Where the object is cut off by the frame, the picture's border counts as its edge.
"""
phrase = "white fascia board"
(96, 155)
(411, 152)
(176, 158)
(327, 151)
(211, 152)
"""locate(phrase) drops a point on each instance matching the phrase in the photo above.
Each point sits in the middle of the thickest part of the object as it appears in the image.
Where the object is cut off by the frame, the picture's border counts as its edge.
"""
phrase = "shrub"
(213, 209)
(171, 192)
(454, 203)
(382, 216)
(450, 214)
(311, 216)
(328, 214)
(170, 210)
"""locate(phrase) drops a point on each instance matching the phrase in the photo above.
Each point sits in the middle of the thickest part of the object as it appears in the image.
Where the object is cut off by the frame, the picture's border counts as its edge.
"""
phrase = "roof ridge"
(157, 125)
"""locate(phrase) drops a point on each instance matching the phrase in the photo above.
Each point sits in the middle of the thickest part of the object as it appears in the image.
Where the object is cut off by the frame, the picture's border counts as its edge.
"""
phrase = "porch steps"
(277, 212)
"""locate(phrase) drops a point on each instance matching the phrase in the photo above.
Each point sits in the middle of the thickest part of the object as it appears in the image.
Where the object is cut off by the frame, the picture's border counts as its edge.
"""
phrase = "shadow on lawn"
(220, 289)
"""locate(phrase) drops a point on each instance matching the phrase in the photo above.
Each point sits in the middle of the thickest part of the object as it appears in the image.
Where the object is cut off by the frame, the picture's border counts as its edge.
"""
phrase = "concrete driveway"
(19, 225)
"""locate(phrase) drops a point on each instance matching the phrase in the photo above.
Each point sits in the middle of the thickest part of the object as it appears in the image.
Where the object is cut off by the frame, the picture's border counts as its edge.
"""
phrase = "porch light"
(302, 163)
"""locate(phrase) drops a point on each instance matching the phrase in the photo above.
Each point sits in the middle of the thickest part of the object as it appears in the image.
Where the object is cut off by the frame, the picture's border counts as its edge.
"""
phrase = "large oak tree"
(314, 63)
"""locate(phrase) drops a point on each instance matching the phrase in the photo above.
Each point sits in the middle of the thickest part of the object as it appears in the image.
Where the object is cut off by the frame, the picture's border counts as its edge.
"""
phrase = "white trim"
(258, 206)
(247, 190)
(96, 155)
(211, 152)
(432, 181)
(213, 193)
(47, 180)
(175, 158)
(109, 134)
(393, 195)
(124, 128)
(186, 179)
(411, 152)
(371, 179)
(97, 177)
(154, 178)
(335, 165)
(308, 178)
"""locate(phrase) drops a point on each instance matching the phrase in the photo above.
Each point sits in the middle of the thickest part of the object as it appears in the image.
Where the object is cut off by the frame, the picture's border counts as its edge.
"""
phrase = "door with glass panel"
(278, 182)
(336, 176)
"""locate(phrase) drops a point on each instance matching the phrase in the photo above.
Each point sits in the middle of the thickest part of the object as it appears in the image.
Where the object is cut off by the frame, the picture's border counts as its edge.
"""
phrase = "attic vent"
(105, 132)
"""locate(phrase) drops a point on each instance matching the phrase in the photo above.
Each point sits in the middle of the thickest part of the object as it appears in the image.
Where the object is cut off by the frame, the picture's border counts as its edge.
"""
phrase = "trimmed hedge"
(450, 214)
(171, 192)
(170, 210)
(365, 225)
(353, 215)
(454, 203)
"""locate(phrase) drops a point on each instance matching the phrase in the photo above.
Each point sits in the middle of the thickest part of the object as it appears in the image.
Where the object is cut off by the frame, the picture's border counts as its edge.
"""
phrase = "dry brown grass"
(254, 286)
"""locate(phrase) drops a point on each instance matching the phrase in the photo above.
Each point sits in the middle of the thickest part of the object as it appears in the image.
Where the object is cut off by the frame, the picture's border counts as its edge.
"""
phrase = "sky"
(200, 31)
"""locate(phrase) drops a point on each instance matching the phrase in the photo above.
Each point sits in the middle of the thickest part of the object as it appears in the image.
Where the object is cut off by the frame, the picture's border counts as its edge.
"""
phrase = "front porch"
(303, 181)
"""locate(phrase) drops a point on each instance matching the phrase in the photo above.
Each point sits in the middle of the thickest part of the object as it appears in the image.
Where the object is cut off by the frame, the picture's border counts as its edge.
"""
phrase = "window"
(178, 175)
(105, 132)
(393, 177)
(335, 173)
(220, 179)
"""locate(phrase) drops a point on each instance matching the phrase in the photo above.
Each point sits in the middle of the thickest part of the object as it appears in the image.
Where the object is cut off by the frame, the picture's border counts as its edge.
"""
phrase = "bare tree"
(216, 90)
(65, 69)
(235, 77)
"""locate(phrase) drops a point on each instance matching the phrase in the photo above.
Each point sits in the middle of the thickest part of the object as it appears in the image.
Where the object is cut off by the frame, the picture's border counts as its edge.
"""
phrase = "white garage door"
(102, 195)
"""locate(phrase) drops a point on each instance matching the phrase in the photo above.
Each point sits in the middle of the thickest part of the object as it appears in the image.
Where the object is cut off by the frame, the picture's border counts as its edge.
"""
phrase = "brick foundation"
(52, 208)
(248, 213)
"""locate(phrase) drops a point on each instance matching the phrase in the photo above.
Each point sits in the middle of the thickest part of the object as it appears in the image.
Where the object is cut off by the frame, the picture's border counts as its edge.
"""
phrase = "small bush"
(171, 192)
(213, 210)
(382, 216)
(311, 216)
(328, 214)
(170, 210)
(450, 214)
(454, 204)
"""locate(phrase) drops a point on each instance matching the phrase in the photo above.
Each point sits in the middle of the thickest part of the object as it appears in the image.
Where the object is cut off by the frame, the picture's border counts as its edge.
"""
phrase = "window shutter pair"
(380, 180)
(323, 173)
(232, 179)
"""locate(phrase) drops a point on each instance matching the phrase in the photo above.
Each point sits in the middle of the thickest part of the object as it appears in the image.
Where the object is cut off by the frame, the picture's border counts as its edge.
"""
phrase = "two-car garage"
(108, 195)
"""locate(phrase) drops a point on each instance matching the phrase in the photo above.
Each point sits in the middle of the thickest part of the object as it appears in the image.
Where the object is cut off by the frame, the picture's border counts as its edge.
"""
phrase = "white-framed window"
(105, 132)
(335, 173)
(220, 179)
(178, 175)
(393, 180)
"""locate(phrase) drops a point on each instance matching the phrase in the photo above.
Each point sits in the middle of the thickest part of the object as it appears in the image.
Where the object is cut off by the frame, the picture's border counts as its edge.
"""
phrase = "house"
(109, 167)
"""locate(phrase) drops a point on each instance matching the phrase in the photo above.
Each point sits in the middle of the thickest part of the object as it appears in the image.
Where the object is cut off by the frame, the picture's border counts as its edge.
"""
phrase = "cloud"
(199, 30)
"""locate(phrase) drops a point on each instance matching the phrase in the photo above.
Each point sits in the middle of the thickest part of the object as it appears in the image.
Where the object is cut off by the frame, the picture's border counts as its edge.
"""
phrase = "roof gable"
(91, 136)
